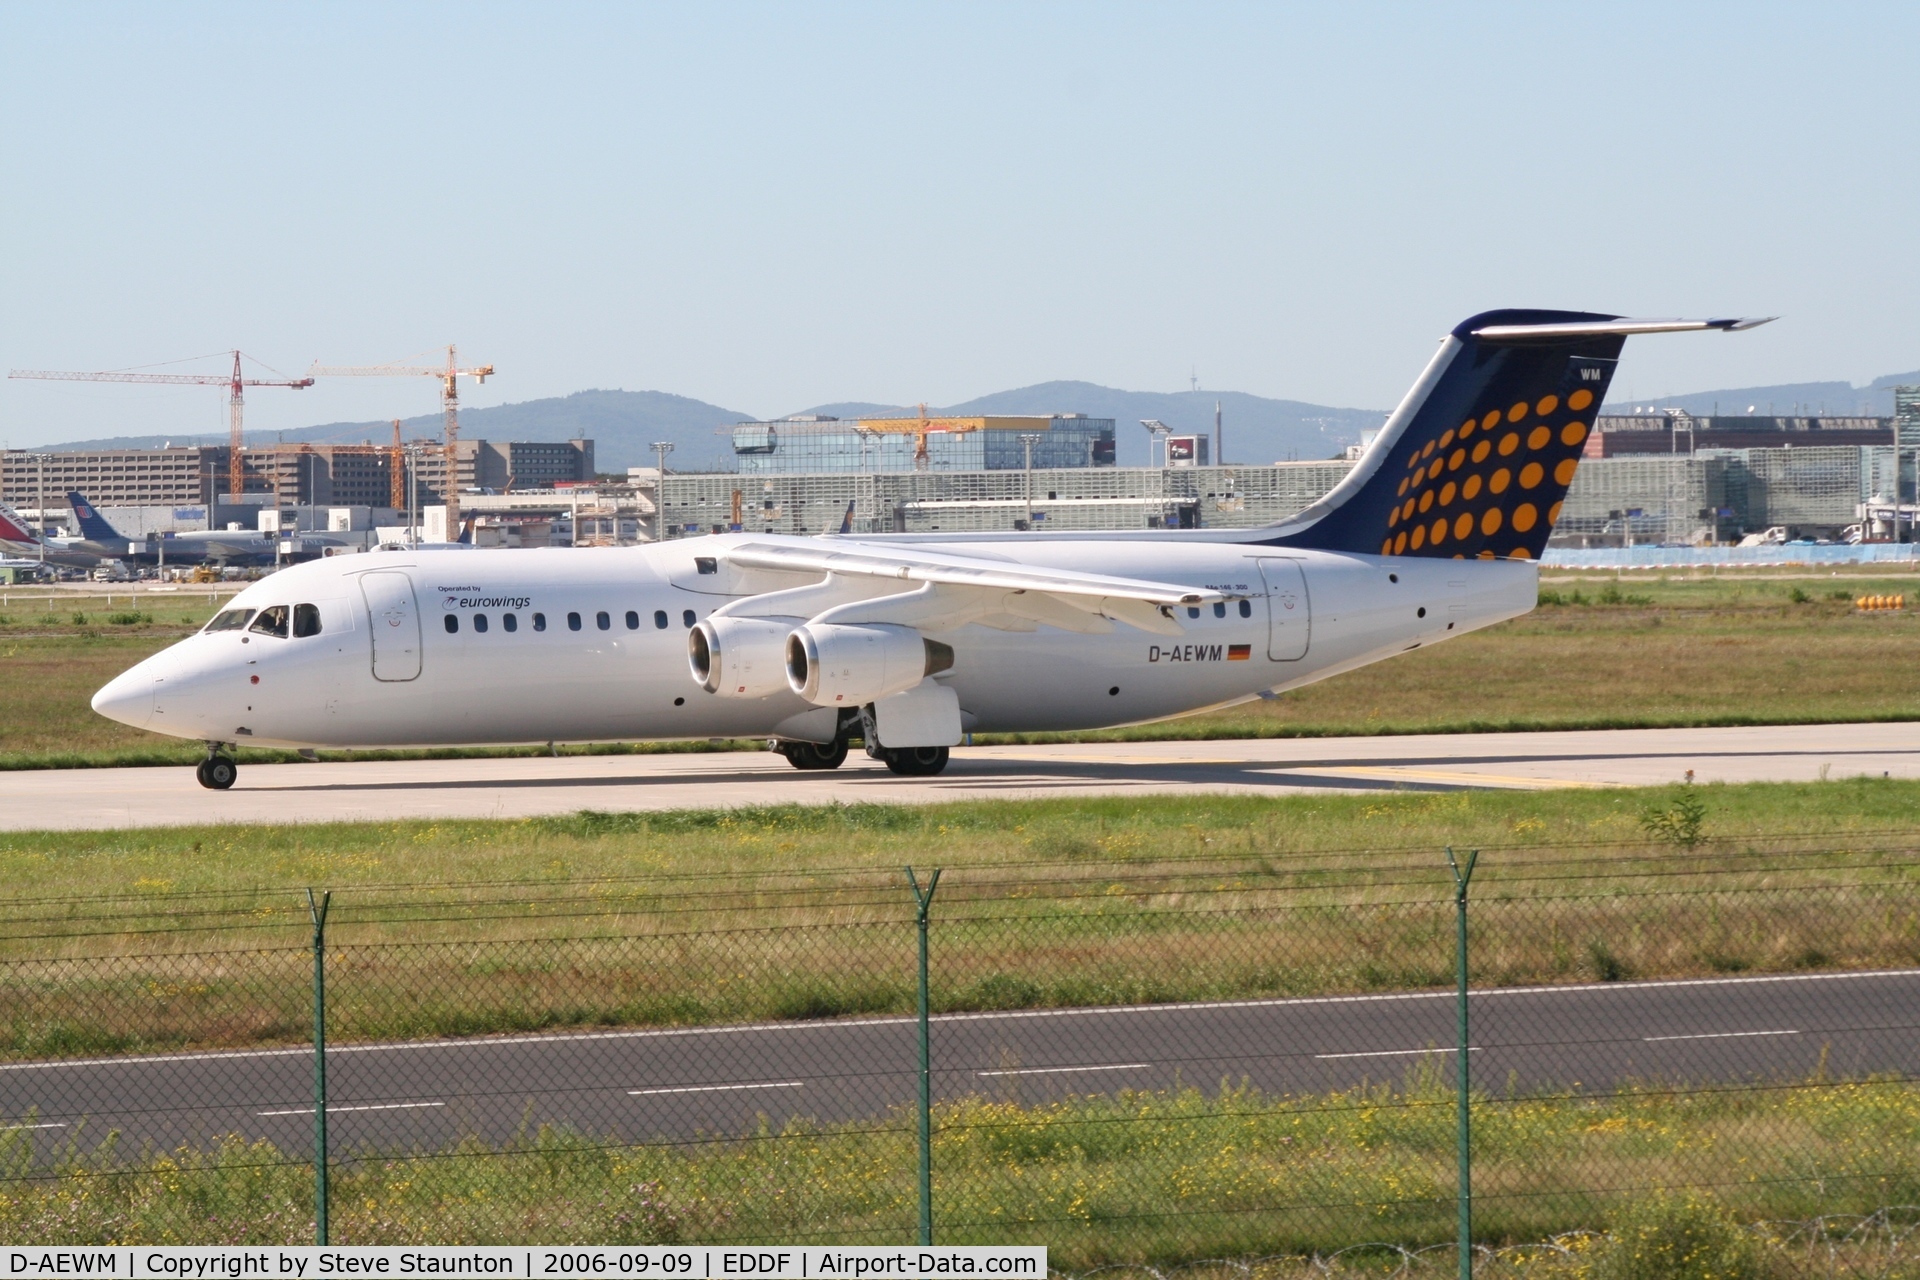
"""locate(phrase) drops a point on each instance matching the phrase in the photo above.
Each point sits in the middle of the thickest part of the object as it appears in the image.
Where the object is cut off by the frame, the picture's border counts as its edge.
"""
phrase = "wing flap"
(964, 571)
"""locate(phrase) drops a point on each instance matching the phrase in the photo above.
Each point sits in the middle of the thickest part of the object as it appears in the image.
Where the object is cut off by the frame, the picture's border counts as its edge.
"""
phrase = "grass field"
(149, 940)
(1737, 648)
(1138, 1177)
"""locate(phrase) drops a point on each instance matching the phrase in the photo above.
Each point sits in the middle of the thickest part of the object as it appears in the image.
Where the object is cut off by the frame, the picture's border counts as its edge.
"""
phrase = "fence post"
(1462, 877)
(317, 908)
(924, 901)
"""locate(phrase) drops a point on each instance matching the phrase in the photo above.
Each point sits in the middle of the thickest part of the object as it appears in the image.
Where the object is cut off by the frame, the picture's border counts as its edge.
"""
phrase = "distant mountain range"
(1788, 399)
(624, 424)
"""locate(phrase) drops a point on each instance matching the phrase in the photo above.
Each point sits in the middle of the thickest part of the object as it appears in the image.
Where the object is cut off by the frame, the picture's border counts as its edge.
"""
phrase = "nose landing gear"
(218, 770)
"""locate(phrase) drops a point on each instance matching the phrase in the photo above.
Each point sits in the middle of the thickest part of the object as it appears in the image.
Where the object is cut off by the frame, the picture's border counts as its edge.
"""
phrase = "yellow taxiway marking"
(1434, 775)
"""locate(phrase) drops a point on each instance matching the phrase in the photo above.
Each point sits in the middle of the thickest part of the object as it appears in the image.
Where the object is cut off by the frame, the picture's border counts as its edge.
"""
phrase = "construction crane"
(397, 473)
(920, 428)
(449, 401)
(234, 382)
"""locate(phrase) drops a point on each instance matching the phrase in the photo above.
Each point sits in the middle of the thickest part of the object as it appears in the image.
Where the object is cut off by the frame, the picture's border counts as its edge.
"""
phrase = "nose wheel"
(217, 772)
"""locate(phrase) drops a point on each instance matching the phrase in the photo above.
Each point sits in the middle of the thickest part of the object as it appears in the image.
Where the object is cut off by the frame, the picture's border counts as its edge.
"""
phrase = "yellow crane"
(449, 401)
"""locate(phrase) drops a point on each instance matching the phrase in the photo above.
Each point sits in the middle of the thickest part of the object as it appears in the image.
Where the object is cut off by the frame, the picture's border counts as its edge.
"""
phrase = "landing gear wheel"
(217, 772)
(815, 755)
(916, 762)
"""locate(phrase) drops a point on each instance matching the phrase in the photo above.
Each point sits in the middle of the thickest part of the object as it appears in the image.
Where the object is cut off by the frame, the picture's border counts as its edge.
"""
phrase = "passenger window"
(306, 620)
(1246, 608)
(234, 619)
(539, 622)
(479, 622)
(660, 619)
(633, 620)
(272, 621)
(452, 622)
(510, 622)
(1219, 608)
(573, 622)
(602, 621)
(687, 618)
(1193, 611)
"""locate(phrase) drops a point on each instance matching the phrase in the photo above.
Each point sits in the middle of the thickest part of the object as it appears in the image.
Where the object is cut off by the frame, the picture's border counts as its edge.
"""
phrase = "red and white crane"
(449, 402)
(234, 382)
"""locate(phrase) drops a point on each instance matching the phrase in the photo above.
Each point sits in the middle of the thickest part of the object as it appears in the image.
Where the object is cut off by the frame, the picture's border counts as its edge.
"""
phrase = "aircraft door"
(394, 619)
(1289, 615)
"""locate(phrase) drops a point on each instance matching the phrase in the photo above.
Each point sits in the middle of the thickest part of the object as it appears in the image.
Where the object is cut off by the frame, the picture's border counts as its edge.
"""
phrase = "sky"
(774, 206)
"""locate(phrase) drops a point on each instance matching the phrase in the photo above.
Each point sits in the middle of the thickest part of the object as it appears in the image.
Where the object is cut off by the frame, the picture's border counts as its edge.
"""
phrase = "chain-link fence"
(1126, 1059)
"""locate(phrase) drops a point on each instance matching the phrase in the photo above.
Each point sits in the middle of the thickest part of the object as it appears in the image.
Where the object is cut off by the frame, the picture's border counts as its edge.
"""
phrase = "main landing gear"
(218, 770)
(915, 762)
(908, 762)
(814, 755)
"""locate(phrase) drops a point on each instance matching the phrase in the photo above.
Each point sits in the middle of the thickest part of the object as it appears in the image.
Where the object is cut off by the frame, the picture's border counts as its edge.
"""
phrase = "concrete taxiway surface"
(527, 787)
(682, 1082)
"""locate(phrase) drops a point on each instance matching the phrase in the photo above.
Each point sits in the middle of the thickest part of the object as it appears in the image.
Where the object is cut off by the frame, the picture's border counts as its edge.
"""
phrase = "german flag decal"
(1239, 652)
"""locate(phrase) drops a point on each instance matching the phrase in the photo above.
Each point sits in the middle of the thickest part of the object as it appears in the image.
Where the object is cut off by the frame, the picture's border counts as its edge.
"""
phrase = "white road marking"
(1055, 1071)
(1102, 1011)
(719, 1088)
(15, 1128)
(1720, 1035)
(1391, 1053)
(372, 1106)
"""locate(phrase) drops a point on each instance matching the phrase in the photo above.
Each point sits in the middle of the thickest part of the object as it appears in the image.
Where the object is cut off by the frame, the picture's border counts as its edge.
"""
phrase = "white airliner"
(910, 642)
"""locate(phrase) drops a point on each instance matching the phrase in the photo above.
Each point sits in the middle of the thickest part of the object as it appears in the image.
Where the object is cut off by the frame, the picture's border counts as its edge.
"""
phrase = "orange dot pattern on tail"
(1486, 477)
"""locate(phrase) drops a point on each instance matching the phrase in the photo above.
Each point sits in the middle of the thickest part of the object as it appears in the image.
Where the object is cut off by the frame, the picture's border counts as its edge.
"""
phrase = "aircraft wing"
(961, 571)
(949, 590)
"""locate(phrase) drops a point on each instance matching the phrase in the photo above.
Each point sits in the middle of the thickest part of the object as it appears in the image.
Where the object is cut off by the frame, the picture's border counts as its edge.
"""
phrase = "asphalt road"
(516, 788)
(678, 1084)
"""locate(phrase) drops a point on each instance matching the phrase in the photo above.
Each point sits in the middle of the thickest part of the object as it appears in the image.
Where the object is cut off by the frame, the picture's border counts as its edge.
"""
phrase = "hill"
(1257, 429)
(624, 424)
(1818, 398)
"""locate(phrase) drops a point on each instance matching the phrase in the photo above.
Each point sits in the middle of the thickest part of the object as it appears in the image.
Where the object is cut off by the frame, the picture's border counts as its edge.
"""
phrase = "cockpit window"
(272, 621)
(306, 620)
(229, 620)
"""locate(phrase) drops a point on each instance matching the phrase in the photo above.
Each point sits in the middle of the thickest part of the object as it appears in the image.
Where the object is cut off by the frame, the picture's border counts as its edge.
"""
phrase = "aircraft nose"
(128, 698)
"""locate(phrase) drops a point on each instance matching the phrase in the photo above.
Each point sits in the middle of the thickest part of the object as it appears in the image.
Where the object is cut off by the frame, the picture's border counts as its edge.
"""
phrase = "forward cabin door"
(1289, 617)
(394, 618)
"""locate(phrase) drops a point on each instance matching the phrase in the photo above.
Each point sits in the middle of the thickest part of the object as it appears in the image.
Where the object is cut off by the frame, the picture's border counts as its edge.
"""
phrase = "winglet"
(846, 521)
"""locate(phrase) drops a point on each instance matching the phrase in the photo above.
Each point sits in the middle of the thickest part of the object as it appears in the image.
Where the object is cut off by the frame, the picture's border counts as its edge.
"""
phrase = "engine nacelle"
(846, 666)
(739, 657)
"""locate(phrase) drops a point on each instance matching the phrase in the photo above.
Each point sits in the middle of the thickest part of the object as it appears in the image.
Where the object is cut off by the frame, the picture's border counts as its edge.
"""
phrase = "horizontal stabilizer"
(1625, 328)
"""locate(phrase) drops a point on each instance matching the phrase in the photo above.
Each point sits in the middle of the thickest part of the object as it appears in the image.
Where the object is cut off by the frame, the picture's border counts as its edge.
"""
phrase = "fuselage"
(474, 647)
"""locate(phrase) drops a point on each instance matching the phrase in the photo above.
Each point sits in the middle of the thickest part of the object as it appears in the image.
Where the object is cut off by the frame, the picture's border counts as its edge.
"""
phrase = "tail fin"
(1477, 459)
(13, 528)
(846, 521)
(93, 526)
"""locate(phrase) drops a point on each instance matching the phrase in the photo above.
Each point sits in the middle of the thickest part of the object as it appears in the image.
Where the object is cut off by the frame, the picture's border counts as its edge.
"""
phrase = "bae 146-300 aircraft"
(910, 642)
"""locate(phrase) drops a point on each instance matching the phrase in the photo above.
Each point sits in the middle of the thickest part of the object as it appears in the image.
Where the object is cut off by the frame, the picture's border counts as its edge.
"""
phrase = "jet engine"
(847, 666)
(739, 657)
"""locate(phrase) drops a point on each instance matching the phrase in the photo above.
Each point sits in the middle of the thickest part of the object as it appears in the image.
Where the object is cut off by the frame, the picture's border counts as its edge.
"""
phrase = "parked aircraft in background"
(223, 546)
(909, 642)
(17, 538)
